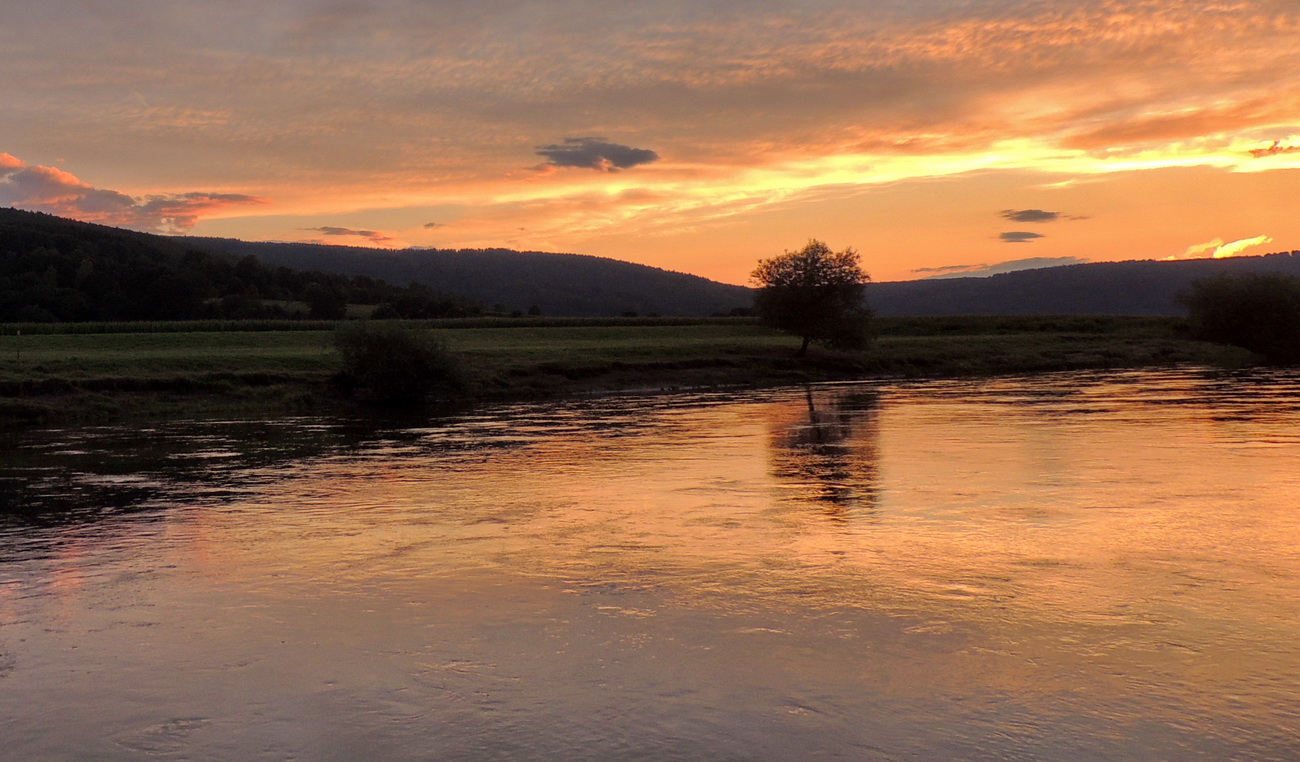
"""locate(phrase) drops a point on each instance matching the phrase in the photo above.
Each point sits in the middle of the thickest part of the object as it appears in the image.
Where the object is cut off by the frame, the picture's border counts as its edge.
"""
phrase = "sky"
(935, 137)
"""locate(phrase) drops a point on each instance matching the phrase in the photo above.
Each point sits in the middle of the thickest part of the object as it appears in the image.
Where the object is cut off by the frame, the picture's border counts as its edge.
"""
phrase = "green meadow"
(108, 371)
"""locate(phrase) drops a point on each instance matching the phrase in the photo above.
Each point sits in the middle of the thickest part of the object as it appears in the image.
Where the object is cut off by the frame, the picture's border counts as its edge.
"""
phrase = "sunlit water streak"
(1071, 566)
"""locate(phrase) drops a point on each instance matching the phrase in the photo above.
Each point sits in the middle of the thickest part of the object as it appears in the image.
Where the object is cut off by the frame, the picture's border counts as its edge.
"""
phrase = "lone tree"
(814, 293)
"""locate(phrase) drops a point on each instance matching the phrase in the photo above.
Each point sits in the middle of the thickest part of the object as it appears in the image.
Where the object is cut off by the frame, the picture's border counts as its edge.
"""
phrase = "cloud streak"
(48, 189)
(374, 236)
(1019, 237)
(984, 271)
(1217, 249)
(1278, 147)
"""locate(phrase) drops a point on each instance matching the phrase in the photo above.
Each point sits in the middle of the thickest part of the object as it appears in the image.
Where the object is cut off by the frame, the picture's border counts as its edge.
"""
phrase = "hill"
(53, 269)
(58, 270)
(505, 280)
(579, 285)
(1098, 288)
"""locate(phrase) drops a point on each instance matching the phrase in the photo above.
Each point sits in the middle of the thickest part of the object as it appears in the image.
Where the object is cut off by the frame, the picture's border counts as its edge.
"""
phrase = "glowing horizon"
(697, 137)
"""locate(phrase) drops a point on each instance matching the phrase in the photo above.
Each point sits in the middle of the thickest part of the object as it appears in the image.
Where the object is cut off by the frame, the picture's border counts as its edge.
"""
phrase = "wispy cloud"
(1019, 236)
(373, 236)
(595, 153)
(1217, 249)
(52, 190)
(983, 271)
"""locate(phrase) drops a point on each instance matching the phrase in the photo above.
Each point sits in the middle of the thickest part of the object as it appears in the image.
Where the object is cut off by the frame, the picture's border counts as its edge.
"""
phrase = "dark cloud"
(1019, 236)
(48, 189)
(983, 271)
(374, 236)
(595, 153)
(1274, 150)
(432, 225)
(1029, 215)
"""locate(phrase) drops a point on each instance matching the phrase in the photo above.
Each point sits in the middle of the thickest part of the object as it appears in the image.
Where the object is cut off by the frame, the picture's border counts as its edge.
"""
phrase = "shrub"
(394, 365)
(1258, 311)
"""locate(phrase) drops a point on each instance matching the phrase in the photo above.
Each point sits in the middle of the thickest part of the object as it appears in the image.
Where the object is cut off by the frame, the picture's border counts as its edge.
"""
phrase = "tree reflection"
(824, 452)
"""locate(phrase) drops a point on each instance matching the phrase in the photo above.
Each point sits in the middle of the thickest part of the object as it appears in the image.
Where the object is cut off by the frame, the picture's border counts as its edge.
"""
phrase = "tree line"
(503, 280)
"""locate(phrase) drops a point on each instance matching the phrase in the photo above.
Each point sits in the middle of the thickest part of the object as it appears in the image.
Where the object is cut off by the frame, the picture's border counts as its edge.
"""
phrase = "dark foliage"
(325, 302)
(1258, 311)
(814, 293)
(392, 365)
(57, 270)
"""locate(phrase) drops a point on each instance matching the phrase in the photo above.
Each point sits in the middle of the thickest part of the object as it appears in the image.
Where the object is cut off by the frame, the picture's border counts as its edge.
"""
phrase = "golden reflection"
(1115, 549)
(824, 453)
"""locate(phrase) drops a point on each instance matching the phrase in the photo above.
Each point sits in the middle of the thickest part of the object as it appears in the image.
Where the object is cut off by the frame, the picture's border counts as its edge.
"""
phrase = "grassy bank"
(109, 371)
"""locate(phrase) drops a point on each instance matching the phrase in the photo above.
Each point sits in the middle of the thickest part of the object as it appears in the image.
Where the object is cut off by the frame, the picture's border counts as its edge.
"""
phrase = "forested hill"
(57, 269)
(501, 279)
(53, 269)
(572, 284)
(1099, 288)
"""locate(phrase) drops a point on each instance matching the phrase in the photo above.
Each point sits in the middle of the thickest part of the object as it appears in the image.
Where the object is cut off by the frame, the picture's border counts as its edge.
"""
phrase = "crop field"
(78, 357)
(159, 354)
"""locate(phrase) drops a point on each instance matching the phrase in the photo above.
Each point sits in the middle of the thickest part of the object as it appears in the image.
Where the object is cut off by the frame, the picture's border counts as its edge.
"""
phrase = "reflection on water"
(1072, 566)
(827, 453)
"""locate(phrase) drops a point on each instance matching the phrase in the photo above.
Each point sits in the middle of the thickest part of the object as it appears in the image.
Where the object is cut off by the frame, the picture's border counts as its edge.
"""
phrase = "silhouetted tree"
(1258, 311)
(814, 293)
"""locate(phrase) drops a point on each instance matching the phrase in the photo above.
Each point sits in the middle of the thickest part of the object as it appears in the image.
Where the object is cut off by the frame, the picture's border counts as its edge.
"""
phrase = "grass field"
(92, 371)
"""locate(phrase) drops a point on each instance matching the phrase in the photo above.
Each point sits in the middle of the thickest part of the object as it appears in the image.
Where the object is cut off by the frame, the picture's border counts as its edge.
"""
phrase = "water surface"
(1073, 566)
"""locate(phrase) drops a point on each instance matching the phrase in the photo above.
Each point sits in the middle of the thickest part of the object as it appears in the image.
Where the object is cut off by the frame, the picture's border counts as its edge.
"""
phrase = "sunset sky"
(934, 136)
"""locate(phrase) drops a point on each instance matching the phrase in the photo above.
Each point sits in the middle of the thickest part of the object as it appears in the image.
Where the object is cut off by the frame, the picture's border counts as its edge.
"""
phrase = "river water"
(1079, 566)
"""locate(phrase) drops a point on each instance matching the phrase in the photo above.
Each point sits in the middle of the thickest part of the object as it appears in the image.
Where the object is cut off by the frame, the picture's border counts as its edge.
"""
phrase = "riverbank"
(102, 372)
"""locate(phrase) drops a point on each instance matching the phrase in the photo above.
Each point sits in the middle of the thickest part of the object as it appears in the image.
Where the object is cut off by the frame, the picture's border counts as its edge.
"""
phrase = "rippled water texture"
(1073, 566)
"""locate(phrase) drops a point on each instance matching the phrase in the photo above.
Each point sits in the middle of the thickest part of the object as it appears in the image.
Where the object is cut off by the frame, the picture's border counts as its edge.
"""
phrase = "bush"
(1258, 311)
(394, 365)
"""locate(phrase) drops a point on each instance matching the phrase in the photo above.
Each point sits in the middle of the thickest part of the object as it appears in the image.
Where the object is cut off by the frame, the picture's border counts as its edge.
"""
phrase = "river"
(1075, 566)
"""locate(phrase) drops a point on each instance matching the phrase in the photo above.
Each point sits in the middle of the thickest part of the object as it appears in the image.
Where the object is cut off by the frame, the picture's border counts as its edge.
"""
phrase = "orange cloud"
(52, 190)
(1190, 123)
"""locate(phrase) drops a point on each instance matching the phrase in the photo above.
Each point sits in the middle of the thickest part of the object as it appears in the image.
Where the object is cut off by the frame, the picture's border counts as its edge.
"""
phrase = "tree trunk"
(803, 349)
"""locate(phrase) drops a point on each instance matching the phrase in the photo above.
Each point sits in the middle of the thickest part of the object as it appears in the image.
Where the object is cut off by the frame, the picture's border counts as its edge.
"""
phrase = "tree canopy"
(814, 293)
